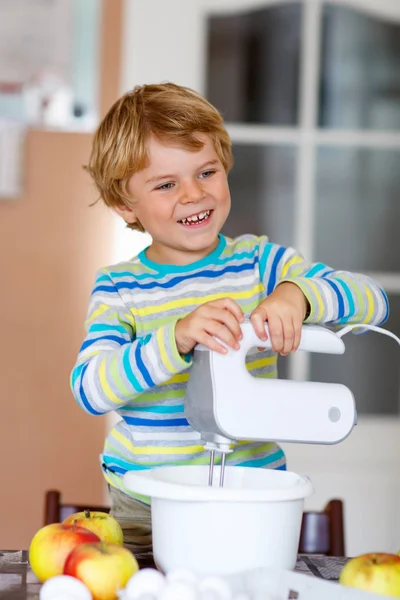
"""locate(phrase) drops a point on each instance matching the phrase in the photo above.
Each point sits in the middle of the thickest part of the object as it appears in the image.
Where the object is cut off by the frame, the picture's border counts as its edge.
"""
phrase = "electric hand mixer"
(225, 403)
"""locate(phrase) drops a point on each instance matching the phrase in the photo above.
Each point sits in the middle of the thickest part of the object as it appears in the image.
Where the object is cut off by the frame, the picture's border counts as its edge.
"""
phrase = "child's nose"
(191, 192)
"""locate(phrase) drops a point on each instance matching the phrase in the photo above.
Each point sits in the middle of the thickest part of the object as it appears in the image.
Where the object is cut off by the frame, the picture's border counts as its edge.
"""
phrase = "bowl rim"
(147, 483)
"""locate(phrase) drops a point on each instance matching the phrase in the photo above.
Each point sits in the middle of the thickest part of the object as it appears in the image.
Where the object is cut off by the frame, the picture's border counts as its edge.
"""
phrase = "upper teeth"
(196, 218)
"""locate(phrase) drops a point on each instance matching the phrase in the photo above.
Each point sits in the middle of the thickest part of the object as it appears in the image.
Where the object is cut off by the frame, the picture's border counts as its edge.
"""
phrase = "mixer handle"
(314, 338)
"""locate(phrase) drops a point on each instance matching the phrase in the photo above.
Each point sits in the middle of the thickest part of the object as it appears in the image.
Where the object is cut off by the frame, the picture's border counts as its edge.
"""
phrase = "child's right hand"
(220, 318)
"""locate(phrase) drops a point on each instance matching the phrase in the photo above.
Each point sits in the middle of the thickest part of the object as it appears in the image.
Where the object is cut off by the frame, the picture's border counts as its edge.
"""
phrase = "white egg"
(63, 596)
(179, 590)
(65, 587)
(145, 581)
(182, 575)
(215, 588)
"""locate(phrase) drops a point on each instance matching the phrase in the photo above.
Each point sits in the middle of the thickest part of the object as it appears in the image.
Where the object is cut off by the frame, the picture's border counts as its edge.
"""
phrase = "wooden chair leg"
(336, 524)
(52, 507)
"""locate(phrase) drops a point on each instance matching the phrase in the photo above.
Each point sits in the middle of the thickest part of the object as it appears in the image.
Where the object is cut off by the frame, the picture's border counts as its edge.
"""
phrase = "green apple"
(377, 572)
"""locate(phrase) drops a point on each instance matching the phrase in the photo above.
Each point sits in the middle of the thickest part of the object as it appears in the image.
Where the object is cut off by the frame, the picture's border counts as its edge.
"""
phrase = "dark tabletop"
(17, 582)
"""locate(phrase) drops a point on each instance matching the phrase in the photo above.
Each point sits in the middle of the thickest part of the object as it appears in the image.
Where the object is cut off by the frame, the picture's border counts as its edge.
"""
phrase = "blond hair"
(171, 113)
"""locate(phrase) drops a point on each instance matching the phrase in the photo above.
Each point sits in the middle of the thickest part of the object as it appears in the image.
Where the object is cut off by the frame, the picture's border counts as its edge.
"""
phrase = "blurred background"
(310, 91)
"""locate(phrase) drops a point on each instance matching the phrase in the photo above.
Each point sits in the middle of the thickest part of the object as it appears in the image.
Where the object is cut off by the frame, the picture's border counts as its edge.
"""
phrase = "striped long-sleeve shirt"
(129, 362)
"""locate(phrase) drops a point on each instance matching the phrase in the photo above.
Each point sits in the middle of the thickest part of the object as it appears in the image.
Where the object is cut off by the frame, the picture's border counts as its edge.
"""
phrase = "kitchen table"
(17, 582)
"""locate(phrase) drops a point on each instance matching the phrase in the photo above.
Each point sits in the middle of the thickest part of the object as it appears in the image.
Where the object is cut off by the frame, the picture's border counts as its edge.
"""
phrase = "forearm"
(106, 378)
(343, 298)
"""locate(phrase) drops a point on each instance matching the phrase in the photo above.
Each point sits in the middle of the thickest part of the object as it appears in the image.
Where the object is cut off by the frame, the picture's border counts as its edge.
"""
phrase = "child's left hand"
(284, 310)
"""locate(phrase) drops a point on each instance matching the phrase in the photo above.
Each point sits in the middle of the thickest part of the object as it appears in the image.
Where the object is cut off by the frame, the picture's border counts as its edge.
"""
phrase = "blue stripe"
(112, 338)
(101, 327)
(103, 277)
(339, 297)
(82, 394)
(239, 256)
(75, 374)
(266, 460)
(386, 304)
(156, 422)
(207, 274)
(317, 268)
(115, 469)
(110, 461)
(142, 368)
(274, 268)
(349, 296)
(160, 410)
(264, 259)
(126, 361)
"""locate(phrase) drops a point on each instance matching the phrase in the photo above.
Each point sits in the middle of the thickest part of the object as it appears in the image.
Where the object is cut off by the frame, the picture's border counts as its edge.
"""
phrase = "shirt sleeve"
(338, 298)
(114, 366)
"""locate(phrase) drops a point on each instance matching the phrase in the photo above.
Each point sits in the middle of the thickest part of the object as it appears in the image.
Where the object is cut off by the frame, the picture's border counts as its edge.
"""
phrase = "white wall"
(173, 51)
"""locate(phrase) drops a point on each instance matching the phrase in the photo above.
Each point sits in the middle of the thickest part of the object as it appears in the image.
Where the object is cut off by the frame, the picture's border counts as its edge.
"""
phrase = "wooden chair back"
(55, 511)
(323, 532)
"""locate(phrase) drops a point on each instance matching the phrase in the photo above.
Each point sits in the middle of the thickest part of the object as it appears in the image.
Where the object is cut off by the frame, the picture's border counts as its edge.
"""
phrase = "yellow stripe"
(168, 450)
(319, 300)
(155, 449)
(163, 352)
(99, 311)
(182, 302)
(262, 362)
(125, 442)
(104, 383)
(130, 318)
(179, 378)
(293, 261)
(84, 356)
(371, 304)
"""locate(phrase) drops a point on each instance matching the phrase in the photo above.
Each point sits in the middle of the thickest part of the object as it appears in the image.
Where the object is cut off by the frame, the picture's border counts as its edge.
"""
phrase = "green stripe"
(361, 301)
(116, 377)
(175, 408)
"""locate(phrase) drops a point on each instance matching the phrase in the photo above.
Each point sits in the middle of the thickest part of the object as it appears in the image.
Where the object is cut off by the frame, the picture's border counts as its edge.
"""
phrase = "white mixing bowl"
(253, 521)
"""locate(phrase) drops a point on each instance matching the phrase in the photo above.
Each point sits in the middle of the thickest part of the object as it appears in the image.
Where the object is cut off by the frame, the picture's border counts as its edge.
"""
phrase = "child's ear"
(127, 213)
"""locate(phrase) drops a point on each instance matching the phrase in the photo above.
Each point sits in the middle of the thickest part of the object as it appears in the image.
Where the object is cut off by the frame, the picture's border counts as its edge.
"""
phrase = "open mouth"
(196, 219)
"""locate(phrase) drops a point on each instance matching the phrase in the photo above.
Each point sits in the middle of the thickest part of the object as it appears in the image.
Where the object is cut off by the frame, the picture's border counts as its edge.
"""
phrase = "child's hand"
(285, 310)
(219, 318)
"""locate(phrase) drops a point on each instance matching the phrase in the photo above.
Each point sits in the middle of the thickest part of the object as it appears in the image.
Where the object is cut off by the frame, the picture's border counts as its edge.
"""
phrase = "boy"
(160, 159)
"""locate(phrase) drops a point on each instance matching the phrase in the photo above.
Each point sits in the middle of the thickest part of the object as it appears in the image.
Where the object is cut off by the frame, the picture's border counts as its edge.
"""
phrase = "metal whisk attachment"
(211, 469)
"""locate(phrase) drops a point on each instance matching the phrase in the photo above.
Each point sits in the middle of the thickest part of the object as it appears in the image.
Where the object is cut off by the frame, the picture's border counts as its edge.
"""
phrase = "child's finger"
(297, 335)
(210, 342)
(223, 317)
(258, 321)
(233, 307)
(276, 333)
(288, 336)
(222, 333)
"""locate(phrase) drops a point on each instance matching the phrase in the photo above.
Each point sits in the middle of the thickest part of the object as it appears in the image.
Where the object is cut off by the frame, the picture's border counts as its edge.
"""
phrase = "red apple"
(374, 572)
(101, 523)
(104, 568)
(52, 544)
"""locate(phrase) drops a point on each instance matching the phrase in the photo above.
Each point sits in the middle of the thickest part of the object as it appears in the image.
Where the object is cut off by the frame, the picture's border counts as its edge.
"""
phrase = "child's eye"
(165, 186)
(206, 174)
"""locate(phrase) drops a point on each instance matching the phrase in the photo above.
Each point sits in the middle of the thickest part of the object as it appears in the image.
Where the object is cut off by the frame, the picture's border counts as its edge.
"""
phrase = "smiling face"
(181, 199)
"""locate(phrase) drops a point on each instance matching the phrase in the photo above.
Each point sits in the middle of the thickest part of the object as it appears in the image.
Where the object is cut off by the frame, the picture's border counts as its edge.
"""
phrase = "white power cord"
(348, 328)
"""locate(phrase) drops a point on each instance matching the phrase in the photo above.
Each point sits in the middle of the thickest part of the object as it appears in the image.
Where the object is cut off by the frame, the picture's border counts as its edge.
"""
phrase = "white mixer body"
(224, 402)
